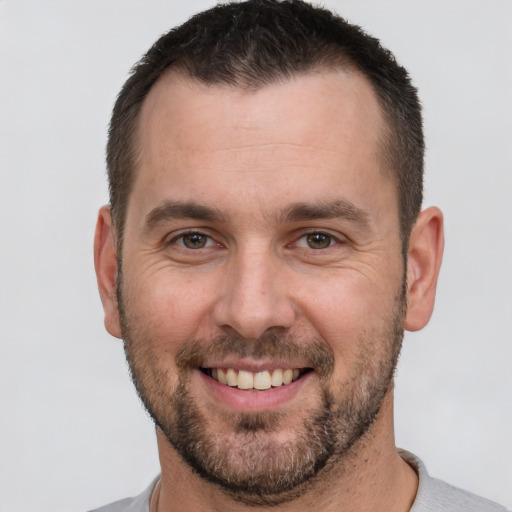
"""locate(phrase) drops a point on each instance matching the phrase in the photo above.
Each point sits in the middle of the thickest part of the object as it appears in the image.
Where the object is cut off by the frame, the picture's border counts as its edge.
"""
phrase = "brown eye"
(318, 240)
(194, 240)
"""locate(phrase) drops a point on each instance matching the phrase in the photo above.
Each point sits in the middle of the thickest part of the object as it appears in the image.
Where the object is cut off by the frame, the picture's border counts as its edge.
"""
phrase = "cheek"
(170, 308)
(349, 311)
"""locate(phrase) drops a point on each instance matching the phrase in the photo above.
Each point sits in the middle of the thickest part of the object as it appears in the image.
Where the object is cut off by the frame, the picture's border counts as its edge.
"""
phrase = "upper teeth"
(254, 380)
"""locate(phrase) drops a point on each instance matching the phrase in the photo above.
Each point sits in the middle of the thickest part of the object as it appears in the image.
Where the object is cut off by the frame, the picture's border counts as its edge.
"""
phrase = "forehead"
(317, 107)
(312, 134)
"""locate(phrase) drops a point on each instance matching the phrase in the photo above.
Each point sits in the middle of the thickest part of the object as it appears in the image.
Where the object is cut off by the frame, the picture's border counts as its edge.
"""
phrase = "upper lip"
(253, 365)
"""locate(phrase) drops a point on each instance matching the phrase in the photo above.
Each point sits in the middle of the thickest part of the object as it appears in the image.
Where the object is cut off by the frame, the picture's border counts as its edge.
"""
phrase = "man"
(262, 253)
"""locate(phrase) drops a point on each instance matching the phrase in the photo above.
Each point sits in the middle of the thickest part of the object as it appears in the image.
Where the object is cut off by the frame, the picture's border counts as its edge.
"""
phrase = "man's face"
(262, 247)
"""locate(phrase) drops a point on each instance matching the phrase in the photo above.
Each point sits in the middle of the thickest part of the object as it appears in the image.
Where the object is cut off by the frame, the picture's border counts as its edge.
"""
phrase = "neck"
(371, 477)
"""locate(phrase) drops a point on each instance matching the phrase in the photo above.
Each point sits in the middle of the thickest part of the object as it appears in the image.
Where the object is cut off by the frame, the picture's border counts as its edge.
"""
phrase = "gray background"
(72, 433)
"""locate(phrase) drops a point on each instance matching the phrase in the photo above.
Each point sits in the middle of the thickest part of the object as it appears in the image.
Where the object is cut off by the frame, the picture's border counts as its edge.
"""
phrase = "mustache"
(273, 344)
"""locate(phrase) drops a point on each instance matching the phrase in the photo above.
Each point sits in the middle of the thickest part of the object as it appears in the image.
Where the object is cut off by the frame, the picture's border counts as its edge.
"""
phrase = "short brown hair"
(258, 42)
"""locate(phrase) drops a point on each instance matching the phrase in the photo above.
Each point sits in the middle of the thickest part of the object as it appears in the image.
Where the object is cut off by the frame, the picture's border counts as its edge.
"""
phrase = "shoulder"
(437, 496)
(138, 503)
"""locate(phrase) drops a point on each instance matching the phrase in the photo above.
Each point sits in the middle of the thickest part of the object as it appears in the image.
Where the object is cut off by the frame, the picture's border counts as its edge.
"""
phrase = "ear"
(426, 246)
(105, 262)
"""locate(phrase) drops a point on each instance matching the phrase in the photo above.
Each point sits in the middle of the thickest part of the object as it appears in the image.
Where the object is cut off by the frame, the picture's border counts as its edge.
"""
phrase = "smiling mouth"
(259, 381)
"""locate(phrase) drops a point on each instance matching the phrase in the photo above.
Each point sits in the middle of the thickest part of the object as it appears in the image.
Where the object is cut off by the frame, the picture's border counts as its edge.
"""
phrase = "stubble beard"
(247, 458)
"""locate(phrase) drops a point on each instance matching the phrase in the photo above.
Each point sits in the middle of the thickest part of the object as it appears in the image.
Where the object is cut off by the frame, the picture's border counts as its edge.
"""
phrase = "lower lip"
(254, 401)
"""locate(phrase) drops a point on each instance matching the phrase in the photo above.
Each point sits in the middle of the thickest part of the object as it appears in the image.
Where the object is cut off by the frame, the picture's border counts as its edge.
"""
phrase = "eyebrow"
(170, 210)
(296, 212)
(340, 208)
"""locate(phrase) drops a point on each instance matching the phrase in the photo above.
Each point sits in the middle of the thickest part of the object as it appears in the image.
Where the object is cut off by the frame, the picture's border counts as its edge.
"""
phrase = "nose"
(254, 296)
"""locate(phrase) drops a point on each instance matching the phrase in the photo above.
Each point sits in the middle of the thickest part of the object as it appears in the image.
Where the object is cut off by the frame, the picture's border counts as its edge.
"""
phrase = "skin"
(253, 156)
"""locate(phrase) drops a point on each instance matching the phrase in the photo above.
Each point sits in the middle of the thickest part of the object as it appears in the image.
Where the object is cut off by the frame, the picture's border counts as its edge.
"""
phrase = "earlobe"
(105, 263)
(425, 254)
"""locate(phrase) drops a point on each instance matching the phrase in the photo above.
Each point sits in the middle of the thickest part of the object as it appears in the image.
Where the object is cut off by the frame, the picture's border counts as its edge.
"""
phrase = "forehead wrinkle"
(301, 146)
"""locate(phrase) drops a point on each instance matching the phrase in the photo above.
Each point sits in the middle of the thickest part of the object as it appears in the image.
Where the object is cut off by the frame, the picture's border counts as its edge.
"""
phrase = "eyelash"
(332, 240)
(209, 240)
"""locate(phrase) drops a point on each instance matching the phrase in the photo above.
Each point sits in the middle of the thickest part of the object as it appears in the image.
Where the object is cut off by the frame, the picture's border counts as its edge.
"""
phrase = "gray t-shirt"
(433, 496)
